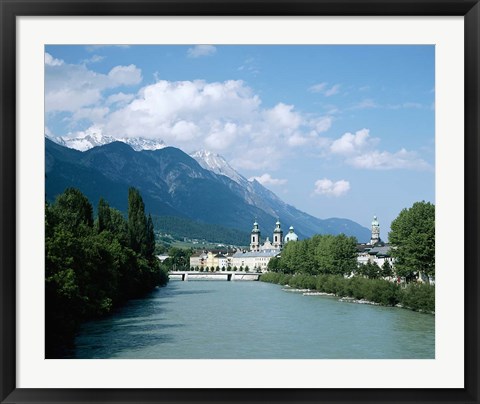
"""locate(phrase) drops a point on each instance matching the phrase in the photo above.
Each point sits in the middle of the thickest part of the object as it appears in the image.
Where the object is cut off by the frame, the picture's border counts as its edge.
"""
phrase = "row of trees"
(412, 238)
(94, 265)
(321, 254)
(323, 262)
(217, 268)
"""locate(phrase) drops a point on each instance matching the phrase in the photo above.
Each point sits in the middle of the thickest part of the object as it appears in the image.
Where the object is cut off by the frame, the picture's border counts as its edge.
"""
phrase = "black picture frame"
(10, 9)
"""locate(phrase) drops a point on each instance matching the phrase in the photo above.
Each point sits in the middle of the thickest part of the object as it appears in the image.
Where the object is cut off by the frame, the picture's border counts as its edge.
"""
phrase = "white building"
(254, 260)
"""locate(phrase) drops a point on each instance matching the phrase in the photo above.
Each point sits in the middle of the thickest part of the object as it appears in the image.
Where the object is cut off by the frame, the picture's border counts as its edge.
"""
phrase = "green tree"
(345, 254)
(104, 220)
(119, 226)
(274, 264)
(335, 254)
(413, 237)
(137, 222)
(387, 269)
(150, 239)
(370, 270)
(72, 209)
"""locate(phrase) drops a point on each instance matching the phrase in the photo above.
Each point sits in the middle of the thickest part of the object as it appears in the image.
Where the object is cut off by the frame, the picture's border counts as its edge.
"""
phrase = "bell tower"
(255, 238)
(278, 236)
(375, 231)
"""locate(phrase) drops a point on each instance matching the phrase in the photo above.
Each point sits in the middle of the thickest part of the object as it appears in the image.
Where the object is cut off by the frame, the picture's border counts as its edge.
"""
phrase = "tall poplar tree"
(104, 220)
(150, 239)
(137, 222)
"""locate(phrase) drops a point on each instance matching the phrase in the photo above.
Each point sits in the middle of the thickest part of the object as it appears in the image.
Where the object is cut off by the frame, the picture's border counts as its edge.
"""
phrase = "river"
(253, 320)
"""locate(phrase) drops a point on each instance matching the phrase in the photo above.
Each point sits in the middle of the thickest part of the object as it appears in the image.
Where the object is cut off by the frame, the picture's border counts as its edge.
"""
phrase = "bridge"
(214, 276)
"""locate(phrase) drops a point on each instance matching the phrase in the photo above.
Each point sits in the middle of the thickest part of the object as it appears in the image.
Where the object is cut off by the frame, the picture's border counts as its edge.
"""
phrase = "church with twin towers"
(277, 242)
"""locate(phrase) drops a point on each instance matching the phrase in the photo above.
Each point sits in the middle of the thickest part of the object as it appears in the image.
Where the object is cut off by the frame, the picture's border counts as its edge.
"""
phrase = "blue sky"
(337, 131)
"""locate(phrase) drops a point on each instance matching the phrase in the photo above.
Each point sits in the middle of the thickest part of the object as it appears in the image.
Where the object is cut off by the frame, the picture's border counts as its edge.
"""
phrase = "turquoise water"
(254, 320)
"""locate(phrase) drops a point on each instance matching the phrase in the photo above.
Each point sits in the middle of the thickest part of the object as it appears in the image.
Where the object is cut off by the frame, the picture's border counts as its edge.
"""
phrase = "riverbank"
(417, 297)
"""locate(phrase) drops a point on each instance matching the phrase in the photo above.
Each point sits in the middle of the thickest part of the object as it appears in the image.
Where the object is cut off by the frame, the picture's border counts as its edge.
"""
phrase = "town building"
(256, 259)
(205, 260)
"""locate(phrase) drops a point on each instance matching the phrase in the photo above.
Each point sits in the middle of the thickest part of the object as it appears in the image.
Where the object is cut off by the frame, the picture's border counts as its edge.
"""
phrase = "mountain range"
(93, 138)
(202, 187)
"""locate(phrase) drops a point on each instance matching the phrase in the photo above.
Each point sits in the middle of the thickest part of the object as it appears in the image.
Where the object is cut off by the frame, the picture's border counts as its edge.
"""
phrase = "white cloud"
(359, 150)
(250, 66)
(297, 140)
(322, 88)
(92, 114)
(267, 179)
(119, 98)
(367, 103)
(322, 124)
(351, 143)
(330, 188)
(93, 59)
(384, 160)
(225, 117)
(333, 90)
(318, 88)
(51, 61)
(184, 131)
(406, 105)
(69, 87)
(212, 110)
(283, 117)
(201, 50)
(221, 137)
(70, 99)
(125, 75)
(258, 158)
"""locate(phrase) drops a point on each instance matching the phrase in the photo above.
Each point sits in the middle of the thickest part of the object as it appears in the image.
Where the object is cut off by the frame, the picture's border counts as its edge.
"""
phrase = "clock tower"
(375, 231)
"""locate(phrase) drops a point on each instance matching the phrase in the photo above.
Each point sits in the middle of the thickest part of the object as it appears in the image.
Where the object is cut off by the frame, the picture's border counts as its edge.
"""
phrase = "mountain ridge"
(175, 184)
(94, 138)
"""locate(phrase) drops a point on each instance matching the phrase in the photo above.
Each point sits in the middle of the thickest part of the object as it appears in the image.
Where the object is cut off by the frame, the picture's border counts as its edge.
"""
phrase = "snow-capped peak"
(216, 163)
(141, 143)
(93, 137)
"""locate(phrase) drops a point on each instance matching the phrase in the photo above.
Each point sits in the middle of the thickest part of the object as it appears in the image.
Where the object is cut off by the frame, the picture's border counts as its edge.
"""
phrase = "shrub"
(419, 297)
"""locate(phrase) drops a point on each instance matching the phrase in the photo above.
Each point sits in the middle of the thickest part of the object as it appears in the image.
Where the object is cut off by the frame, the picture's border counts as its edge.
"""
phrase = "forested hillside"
(180, 227)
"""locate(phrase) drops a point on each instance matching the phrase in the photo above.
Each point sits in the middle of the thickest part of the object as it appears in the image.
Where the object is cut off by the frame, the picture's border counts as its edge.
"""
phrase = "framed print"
(204, 141)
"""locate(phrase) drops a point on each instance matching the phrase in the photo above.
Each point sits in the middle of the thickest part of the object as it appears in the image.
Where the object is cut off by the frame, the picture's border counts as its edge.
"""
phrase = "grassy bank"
(418, 297)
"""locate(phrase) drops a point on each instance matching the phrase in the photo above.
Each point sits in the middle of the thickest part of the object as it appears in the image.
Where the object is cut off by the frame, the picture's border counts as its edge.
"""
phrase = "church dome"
(291, 236)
